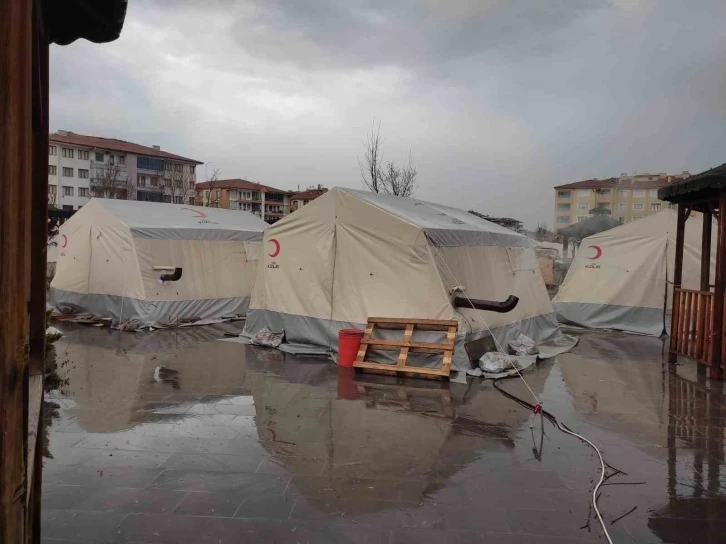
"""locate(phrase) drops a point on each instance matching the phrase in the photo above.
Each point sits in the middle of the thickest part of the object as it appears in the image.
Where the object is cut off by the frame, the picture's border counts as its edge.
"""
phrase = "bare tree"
(389, 179)
(213, 198)
(370, 168)
(109, 181)
(400, 181)
(177, 183)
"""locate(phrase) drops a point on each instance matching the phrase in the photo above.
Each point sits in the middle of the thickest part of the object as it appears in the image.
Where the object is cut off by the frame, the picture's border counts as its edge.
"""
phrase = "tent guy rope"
(537, 407)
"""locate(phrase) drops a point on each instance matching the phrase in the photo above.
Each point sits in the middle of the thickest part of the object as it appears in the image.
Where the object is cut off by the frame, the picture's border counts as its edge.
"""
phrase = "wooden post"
(38, 275)
(677, 278)
(16, 167)
(716, 371)
(706, 252)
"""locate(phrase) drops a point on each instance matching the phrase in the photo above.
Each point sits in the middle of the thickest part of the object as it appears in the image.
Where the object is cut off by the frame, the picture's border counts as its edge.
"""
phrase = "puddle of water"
(242, 433)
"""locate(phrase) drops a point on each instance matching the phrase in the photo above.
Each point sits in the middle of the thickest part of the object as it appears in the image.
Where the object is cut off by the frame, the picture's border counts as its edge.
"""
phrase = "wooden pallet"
(406, 345)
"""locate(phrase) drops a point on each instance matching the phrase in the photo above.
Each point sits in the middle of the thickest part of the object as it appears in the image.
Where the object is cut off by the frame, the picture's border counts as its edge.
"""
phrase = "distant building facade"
(298, 200)
(506, 222)
(627, 197)
(267, 202)
(80, 167)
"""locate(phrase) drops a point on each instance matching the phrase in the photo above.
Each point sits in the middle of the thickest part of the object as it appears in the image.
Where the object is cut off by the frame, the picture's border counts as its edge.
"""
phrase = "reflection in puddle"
(223, 419)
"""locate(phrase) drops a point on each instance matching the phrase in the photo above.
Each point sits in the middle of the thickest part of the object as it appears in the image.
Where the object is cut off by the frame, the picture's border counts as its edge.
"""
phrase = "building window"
(233, 204)
(178, 168)
(67, 172)
(622, 206)
(67, 152)
(671, 206)
(638, 207)
(583, 192)
(52, 150)
(52, 170)
(603, 205)
(624, 192)
(654, 193)
(83, 155)
(581, 218)
(67, 191)
(604, 192)
(83, 191)
(99, 156)
(149, 163)
(655, 207)
(68, 207)
(621, 219)
(83, 174)
(111, 158)
(565, 206)
(233, 194)
(638, 193)
(563, 194)
(52, 189)
(191, 201)
(178, 200)
(122, 159)
(582, 206)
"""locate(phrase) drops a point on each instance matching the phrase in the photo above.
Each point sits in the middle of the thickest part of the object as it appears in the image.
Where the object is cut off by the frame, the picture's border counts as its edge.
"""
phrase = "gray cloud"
(497, 101)
(331, 34)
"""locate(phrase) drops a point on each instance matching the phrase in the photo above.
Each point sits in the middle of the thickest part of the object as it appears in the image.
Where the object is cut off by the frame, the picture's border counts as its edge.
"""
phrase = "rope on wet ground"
(537, 407)
(562, 427)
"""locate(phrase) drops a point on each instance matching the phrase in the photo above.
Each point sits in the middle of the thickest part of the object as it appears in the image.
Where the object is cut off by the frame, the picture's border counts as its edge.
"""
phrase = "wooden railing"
(692, 324)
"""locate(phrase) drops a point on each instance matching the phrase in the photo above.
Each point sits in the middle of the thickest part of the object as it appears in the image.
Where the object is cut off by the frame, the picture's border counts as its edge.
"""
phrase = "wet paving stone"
(266, 507)
(211, 462)
(216, 504)
(253, 445)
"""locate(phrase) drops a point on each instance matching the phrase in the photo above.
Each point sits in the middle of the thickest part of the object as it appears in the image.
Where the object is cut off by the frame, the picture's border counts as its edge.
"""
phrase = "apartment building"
(81, 166)
(627, 197)
(298, 200)
(240, 194)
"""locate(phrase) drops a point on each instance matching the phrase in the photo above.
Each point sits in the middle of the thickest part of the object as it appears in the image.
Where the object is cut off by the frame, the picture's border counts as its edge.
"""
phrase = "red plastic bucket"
(348, 344)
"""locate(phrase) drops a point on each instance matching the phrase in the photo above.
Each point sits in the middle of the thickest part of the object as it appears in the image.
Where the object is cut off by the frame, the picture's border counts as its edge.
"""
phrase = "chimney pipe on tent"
(488, 305)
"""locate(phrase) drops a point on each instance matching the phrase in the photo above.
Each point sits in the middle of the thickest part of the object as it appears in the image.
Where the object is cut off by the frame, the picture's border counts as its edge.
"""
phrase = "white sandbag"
(522, 345)
(494, 362)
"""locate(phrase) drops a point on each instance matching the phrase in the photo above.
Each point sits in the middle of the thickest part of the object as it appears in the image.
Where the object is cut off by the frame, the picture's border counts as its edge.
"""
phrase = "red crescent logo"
(277, 248)
(199, 214)
(598, 252)
(65, 241)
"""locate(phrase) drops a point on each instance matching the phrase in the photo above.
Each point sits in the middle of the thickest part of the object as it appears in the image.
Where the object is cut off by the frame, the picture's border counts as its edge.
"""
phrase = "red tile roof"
(616, 183)
(310, 194)
(112, 144)
(239, 184)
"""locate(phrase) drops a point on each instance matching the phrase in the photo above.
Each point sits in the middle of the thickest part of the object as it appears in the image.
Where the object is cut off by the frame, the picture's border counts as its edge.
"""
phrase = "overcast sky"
(497, 100)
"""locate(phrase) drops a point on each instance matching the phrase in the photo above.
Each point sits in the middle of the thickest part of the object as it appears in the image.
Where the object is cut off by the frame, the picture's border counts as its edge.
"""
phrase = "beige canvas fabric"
(493, 273)
(630, 267)
(347, 256)
(109, 251)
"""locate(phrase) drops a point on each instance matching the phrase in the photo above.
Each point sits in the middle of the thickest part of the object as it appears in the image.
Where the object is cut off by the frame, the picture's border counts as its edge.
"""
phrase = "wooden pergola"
(27, 28)
(697, 327)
